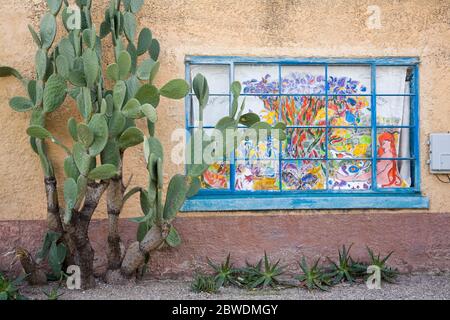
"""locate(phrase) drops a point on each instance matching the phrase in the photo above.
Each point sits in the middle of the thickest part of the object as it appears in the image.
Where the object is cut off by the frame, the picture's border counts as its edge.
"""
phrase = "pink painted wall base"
(421, 241)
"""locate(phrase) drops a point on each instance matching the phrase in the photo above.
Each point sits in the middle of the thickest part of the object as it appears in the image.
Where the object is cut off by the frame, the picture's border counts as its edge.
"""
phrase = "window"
(352, 134)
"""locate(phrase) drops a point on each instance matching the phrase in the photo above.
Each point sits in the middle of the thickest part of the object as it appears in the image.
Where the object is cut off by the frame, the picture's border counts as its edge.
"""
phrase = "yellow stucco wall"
(297, 28)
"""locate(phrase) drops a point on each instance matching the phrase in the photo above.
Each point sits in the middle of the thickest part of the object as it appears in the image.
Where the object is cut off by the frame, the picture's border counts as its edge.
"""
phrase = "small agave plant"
(204, 283)
(225, 273)
(110, 99)
(264, 274)
(53, 294)
(345, 269)
(313, 277)
(388, 274)
(9, 289)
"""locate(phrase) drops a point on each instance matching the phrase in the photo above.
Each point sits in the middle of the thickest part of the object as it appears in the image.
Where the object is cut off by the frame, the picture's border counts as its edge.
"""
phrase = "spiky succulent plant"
(9, 289)
(204, 283)
(388, 274)
(345, 269)
(225, 273)
(313, 277)
(263, 275)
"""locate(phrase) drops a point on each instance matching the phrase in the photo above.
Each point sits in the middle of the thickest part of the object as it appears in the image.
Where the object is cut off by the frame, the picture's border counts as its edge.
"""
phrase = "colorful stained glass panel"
(393, 174)
(391, 144)
(257, 78)
(303, 175)
(349, 175)
(257, 176)
(303, 111)
(265, 106)
(349, 80)
(349, 143)
(217, 176)
(388, 143)
(303, 80)
(297, 98)
(349, 111)
(253, 147)
(305, 143)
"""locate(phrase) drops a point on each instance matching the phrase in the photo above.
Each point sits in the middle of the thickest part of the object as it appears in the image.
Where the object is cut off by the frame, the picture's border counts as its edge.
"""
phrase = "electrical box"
(440, 153)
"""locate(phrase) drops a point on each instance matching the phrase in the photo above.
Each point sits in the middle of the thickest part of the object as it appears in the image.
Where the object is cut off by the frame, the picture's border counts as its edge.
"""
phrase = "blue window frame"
(370, 162)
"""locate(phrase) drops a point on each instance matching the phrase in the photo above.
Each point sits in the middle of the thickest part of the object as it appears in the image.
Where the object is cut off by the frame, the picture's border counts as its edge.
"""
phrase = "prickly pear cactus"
(110, 99)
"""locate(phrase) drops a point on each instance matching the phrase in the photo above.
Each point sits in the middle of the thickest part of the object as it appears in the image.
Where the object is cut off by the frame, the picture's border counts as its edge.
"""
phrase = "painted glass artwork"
(349, 111)
(303, 111)
(303, 175)
(254, 149)
(257, 176)
(330, 128)
(350, 175)
(389, 173)
(267, 107)
(345, 110)
(257, 79)
(217, 176)
(393, 109)
(305, 143)
(303, 80)
(349, 143)
(349, 80)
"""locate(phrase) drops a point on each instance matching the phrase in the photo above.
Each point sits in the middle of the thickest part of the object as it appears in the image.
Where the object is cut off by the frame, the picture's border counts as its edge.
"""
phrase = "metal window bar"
(374, 128)
(280, 144)
(233, 155)
(327, 129)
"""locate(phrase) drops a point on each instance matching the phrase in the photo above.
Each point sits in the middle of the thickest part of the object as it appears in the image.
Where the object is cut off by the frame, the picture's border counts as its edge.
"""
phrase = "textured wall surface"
(421, 242)
(296, 28)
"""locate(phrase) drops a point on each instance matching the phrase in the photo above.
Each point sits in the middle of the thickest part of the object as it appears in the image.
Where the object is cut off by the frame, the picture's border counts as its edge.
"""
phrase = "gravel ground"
(436, 287)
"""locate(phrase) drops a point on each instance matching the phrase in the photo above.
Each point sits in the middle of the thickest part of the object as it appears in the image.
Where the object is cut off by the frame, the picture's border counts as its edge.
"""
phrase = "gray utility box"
(440, 153)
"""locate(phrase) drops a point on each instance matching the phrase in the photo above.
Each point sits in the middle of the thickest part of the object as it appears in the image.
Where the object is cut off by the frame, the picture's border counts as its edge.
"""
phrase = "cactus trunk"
(135, 256)
(115, 195)
(83, 256)
(54, 220)
(36, 276)
(53, 215)
(78, 231)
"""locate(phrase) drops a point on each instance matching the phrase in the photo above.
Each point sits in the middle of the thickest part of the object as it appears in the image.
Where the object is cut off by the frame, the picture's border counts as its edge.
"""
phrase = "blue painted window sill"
(289, 202)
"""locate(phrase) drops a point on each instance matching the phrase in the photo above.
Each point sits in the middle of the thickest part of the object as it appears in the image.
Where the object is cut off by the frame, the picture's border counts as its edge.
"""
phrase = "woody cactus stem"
(78, 231)
(36, 275)
(135, 255)
(53, 210)
(115, 194)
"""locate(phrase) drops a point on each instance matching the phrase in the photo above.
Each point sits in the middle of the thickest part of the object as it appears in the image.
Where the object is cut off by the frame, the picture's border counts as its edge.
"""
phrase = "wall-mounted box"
(440, 153)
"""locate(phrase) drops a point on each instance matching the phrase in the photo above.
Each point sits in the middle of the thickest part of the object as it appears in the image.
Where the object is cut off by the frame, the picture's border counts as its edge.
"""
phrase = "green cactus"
(176, 195)
(103, 172)
(73, 68)
(70, 197)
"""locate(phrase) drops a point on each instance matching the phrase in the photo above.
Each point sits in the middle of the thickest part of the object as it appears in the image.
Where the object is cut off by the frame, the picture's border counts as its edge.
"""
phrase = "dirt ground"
(419, 286)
